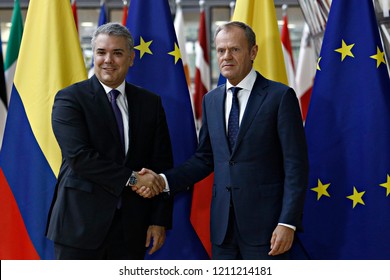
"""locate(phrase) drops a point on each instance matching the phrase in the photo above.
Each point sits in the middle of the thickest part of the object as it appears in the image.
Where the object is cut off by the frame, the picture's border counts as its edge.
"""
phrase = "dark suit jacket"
(266, 173)
(95, 169)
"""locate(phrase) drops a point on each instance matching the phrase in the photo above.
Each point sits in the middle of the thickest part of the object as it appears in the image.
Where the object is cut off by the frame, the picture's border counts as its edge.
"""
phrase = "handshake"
(149, 184)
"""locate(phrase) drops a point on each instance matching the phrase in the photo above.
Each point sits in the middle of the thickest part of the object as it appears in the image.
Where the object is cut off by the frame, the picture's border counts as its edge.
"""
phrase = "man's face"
(112, 58)
(234, 57)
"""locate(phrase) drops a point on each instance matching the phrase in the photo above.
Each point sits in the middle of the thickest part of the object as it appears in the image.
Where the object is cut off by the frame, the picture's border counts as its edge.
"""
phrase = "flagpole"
(125, 12)
(232, 5)
(284, 9)
(316, 16)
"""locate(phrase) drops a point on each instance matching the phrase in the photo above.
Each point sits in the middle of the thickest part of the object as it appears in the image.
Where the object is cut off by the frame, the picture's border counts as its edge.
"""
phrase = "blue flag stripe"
(27, 176)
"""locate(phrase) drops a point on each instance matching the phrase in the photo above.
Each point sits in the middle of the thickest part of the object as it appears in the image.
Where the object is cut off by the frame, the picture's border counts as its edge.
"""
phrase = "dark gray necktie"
(118, 115)
(234, 118)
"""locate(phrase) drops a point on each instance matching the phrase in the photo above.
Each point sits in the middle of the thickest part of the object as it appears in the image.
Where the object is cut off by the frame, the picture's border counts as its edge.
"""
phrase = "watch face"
(133, 180)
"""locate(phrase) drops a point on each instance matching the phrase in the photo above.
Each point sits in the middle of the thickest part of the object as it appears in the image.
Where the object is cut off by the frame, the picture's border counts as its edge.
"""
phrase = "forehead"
(106, 41)
(232, 36)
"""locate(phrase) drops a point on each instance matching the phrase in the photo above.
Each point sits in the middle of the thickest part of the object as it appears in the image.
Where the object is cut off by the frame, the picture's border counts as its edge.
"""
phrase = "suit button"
(232, 162)
(228, 189)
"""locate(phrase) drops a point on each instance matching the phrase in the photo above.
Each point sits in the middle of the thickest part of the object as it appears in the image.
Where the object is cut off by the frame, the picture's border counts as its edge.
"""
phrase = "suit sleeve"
(293, 143)
(162, 159)
(199, 166)
(72, 128)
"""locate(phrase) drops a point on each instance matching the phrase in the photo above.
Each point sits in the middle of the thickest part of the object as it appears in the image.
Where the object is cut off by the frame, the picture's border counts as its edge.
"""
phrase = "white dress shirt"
(121, 100)
(246, 86)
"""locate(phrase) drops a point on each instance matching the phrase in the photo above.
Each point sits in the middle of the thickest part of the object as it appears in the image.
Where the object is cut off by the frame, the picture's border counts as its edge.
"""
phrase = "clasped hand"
(149, 184)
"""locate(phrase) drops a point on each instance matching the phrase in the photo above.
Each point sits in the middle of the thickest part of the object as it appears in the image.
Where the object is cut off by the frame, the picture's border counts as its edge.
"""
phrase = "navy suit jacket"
(265, 176)
(95, 169)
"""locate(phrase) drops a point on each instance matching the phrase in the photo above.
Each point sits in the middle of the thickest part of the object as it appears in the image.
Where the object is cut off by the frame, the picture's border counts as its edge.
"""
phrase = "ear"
(253, 52)
(131, 58)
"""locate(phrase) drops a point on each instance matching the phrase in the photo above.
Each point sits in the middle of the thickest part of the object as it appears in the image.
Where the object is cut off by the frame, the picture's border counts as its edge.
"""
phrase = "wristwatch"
(133, 179)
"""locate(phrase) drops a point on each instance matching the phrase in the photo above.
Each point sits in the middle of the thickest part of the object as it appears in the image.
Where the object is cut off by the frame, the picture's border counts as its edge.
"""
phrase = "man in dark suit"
(255, 144)
(104, 136)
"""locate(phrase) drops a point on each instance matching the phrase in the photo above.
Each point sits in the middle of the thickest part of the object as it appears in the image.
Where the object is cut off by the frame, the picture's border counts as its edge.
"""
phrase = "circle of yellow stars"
(346, 51)
(144, 48)
(357, 197)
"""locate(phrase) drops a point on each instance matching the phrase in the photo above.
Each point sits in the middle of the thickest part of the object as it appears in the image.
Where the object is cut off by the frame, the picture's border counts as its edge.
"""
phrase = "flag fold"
(50, 59)
(158, 67)
(347, 212)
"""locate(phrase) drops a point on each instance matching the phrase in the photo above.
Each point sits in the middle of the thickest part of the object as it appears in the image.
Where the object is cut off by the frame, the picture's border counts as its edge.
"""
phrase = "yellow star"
(321, 189)
(345, 50)
(379, 57)
(386, 185)
(143, 47)
(318, 64)
(356, 197)
(176, 53)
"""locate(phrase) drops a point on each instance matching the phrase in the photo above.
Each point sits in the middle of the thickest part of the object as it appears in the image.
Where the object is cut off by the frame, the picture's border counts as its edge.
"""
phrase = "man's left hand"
(281, 240)
(157, 234)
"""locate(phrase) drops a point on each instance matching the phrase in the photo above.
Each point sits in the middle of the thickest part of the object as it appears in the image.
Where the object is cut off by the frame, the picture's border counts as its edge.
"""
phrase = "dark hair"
(249, 34)
(113, 29)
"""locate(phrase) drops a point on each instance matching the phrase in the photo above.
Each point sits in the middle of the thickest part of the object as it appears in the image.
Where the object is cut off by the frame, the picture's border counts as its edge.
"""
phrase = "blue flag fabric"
(158, 68)
(347, 213)
(102, 15)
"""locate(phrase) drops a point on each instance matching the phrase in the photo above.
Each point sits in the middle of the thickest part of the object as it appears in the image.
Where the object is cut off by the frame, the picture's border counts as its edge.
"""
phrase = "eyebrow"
(115, 50)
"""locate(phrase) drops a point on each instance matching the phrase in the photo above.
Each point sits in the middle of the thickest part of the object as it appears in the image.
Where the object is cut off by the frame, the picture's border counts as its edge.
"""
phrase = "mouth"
(109, 69)
(227, 65)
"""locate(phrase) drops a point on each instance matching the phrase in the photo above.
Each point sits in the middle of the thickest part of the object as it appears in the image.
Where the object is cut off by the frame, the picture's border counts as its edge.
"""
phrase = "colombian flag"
(50, 59)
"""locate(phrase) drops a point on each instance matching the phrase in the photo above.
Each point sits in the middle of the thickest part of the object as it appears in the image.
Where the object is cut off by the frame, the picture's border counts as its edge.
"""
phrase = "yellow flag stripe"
(50, 59)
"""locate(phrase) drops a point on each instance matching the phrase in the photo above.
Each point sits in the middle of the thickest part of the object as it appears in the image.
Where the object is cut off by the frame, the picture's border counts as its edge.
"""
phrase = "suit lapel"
(104, 106)
(133, 122)
(256, 98)
(220, 98)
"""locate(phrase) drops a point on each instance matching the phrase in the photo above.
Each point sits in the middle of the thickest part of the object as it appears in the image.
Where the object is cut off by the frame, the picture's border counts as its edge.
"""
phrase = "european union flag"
(347, 215)
(158, 68)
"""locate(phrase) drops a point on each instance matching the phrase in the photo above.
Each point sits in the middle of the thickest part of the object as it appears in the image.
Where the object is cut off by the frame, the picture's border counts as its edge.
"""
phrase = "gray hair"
(249, 34)
(113, 29)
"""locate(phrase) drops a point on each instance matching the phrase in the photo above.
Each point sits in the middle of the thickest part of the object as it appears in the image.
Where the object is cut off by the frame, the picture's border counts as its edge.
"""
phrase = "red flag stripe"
(74, 10)
(15, 243)
(286, 40)
(200, 210)
(201, 197)
(125, 12)
(287, 53)
(306, 70)
(305, 101)
(202, 75)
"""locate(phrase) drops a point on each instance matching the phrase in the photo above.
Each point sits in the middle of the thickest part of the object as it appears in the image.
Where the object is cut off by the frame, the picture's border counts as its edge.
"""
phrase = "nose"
(227, 55)
(107, 58)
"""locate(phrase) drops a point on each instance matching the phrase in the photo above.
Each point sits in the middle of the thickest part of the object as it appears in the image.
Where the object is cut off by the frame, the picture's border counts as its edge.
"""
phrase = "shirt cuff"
(166, 183)
(287, 225)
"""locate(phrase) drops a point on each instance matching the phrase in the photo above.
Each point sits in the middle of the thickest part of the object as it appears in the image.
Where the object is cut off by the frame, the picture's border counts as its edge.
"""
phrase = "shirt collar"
(247, 83)
(121, 87)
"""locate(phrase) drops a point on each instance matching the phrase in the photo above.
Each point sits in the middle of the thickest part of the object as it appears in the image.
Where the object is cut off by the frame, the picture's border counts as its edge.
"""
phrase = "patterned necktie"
(119, 121)
(234, 116)
(118, 115)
